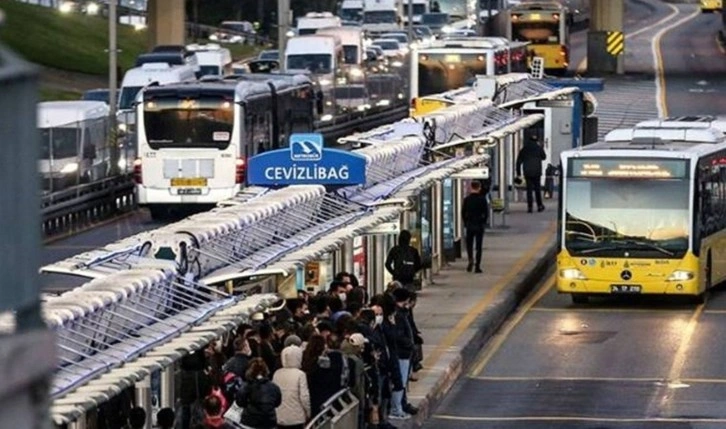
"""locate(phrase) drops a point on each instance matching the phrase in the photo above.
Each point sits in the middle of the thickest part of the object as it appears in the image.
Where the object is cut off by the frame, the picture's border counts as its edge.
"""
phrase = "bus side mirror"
(319, 105)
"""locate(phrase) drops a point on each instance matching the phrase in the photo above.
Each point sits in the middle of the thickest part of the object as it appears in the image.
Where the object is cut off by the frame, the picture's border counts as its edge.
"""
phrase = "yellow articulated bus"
(544, 26)
(643, 212)
(710, 6)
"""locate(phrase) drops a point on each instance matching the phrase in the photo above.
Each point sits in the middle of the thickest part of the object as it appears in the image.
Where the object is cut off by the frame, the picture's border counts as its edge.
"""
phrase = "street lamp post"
(112, 84)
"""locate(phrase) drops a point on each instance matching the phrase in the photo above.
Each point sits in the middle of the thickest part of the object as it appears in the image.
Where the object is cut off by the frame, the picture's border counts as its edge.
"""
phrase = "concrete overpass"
(166, 26)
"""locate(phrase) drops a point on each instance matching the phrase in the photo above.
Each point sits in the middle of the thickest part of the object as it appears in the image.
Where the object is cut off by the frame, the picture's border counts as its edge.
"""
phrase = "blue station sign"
(306, 162)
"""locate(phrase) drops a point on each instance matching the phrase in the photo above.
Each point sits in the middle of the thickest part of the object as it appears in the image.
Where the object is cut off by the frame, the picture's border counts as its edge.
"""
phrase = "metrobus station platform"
(458, 312)
(157, 296)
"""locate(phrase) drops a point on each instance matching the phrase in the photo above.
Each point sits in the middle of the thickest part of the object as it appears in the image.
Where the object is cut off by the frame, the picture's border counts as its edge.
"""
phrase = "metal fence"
(342, 411)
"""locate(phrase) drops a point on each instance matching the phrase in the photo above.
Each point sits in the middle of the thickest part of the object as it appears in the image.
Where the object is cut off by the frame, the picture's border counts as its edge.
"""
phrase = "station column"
(605, 38)
(166, 22)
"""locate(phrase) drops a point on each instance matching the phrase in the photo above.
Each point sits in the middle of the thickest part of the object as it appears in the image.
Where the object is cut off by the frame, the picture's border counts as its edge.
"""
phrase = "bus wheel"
(580, 298)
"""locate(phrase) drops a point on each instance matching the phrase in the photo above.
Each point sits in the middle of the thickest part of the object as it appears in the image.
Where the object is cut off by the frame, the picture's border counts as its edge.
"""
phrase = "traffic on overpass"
(363, 214)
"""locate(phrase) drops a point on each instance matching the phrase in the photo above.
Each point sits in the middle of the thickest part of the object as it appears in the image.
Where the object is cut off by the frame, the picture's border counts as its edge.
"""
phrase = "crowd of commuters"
(279, 370)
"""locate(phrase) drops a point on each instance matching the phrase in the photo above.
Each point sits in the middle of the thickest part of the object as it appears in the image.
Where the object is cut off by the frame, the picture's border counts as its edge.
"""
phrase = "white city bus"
(194, 138)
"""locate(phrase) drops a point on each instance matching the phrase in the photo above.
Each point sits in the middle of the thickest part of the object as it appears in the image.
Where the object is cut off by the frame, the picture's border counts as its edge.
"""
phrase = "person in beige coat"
(294, 411)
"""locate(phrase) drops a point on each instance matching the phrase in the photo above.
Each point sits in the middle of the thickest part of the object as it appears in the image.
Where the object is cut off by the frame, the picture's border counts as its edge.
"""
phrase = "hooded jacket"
(295, 406)
(530, 157)
(403, 260)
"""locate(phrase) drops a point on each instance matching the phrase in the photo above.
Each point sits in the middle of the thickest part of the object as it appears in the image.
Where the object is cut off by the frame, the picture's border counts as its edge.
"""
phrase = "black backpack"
(406, 263)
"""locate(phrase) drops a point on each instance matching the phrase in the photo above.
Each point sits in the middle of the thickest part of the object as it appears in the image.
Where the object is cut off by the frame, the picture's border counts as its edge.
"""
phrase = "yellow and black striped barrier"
(615, 43)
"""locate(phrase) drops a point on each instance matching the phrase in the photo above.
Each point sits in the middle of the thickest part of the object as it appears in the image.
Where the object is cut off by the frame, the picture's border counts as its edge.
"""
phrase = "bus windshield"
(443, 72)
(57, 143)
(351, 14)
(315, 63)
(541, 33)
(379, 17)
(640, 215)
(127, 97)
(204, 122)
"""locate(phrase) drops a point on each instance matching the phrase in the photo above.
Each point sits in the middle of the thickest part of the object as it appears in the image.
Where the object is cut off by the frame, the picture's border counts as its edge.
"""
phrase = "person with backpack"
(294, 410)
(403, 261)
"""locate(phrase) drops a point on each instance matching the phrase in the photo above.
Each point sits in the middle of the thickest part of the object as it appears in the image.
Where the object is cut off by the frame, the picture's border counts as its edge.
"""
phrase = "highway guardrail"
(70, 209)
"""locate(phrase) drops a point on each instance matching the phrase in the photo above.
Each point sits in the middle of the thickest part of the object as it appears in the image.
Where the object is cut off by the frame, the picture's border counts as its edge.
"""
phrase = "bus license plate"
(189, 181)
(189, 191)
(625, 288)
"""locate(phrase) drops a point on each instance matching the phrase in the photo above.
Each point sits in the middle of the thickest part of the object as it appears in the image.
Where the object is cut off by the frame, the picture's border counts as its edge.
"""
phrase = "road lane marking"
(582, 419)
(679, 359)
(493, 347)
(609, 310)
(465, 322)
(658, 64)
(613, 379)
(582, 66)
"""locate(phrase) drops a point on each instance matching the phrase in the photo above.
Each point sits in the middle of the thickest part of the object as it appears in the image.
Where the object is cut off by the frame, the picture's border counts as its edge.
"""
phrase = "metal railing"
(341, 411)
(73, 208)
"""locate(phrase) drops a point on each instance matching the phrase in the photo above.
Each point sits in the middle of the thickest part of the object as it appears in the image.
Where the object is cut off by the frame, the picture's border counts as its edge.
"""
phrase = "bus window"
(206, 121)
(443, 72)
(540, 32)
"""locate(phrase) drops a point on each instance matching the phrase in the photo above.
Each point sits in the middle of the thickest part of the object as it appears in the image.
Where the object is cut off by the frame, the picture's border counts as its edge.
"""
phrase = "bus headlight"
(680, 276)
(572, 274)
(69, 168)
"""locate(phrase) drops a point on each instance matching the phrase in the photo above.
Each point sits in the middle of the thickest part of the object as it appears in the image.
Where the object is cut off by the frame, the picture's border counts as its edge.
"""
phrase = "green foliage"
(71, 42)
(52, 94)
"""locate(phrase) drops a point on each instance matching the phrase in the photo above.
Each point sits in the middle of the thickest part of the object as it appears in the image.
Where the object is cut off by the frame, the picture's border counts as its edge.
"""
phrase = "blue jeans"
(397, 401)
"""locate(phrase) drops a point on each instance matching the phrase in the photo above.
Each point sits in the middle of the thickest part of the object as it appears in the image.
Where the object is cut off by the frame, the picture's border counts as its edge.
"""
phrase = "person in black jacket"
(259, 398)
(403, 261)
(530, 157)
(475, 213)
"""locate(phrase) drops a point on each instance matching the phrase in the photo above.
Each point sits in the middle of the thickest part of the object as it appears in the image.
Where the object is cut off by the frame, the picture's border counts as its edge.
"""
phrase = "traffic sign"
(615, 43)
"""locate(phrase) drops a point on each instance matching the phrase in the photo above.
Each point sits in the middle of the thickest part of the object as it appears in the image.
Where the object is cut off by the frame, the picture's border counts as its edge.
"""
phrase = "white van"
(74, 136)
(353, 41)
(312, 21)
(137, 78)
(213, 59)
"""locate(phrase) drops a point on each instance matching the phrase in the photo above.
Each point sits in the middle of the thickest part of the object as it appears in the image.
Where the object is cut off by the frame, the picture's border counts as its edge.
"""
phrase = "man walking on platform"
(475, 213)
(531, 156)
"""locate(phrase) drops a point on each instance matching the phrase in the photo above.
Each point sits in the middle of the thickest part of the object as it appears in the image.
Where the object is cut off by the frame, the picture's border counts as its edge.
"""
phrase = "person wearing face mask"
(405, 342)
(384, 308)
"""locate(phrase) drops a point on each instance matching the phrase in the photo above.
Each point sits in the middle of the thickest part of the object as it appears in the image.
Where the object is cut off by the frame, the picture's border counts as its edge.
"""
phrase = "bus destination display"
(629, 168)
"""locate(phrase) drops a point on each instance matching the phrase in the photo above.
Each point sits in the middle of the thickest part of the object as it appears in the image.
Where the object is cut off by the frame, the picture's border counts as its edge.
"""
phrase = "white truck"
(382, 16)
(420, 8)
(351, 10)
(353, 41)
(311, 22)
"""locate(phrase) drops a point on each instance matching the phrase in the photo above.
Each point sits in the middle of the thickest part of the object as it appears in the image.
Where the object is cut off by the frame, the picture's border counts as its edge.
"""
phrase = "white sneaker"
(401, 416)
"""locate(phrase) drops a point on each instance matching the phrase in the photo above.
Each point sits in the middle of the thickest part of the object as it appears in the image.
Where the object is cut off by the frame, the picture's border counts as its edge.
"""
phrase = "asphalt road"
(644, 363)
(695, 66)
(59, 249)
(622, 364)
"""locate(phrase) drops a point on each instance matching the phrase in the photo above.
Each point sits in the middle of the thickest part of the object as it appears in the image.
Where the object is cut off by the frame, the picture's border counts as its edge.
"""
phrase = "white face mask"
(379, 319)
(342, 296)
